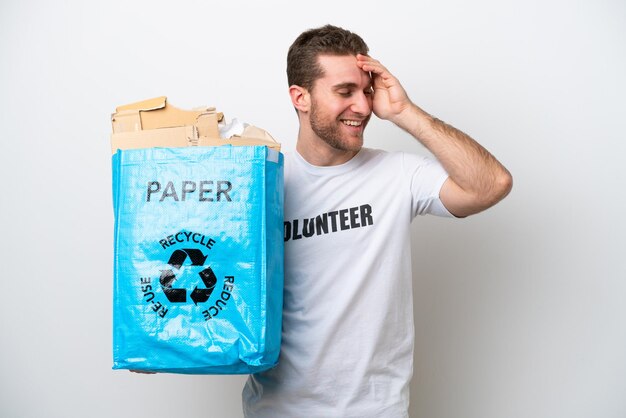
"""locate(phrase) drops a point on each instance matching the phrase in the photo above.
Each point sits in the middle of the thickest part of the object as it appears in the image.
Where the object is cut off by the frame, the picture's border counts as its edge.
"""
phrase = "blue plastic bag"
(198, 265)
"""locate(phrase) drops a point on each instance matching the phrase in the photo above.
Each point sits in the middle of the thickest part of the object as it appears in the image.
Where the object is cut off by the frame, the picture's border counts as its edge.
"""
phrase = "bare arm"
(477, 180)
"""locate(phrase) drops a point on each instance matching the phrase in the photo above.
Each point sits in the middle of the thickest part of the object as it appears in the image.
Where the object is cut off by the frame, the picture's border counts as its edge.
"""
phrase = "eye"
(344, 93)
(368, 91)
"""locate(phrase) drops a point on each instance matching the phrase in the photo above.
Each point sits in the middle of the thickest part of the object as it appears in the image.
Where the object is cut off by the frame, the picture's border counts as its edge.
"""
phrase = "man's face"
(341, 103)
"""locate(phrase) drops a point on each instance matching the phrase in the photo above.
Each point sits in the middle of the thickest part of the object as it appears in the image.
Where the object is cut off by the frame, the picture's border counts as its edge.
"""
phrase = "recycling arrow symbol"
(179, 295)
(209, 280)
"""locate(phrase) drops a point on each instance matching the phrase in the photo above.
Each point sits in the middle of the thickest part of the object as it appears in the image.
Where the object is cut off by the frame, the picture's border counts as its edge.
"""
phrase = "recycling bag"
(198, 259)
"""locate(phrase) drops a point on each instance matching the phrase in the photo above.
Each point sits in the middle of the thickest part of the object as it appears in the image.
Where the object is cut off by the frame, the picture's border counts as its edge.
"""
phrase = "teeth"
(352, 122)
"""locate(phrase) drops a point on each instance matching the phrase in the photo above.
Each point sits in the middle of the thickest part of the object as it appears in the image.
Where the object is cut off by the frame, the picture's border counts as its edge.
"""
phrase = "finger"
(363, 57)
(364, 60)
(367, 59)
(373, 66)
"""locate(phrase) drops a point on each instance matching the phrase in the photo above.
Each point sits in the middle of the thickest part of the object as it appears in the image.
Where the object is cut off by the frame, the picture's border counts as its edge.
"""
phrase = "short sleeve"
(425, 177)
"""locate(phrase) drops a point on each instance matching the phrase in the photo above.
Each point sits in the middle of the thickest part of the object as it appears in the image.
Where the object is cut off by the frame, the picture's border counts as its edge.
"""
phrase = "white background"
(520, 311)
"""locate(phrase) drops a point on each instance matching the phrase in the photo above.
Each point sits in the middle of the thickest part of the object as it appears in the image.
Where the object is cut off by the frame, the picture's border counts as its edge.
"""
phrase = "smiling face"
(341, 103)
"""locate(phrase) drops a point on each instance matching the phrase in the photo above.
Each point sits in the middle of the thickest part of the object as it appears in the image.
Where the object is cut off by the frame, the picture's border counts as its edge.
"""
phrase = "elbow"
(502, 186)
(505, 184)
(499, 187)
(463, 203)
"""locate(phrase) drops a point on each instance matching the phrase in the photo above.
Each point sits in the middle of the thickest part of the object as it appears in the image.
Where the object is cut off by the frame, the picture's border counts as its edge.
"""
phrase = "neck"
(317, 152)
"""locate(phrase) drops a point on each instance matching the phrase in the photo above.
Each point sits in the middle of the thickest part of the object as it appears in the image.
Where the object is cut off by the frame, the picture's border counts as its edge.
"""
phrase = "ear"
(300, 98)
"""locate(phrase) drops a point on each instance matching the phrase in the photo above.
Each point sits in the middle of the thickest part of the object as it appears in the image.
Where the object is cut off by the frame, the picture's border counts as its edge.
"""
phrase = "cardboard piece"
(156, 123)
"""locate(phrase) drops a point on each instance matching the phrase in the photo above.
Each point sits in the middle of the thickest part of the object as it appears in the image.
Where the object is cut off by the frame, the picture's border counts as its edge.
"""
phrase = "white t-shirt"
(347, 340)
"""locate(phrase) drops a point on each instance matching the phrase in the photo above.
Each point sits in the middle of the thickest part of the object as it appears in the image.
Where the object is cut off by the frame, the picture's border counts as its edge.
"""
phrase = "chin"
(352, 145)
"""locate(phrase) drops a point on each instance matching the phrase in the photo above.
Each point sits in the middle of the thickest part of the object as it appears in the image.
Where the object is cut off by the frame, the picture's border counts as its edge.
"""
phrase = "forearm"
(468, 164)
(477, 179)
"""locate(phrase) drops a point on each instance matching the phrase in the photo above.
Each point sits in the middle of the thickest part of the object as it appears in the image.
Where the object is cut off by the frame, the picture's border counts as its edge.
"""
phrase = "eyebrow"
(349, 85)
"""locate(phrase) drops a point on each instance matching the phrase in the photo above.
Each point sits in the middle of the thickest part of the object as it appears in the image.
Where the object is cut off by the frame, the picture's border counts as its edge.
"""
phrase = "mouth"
(352, 123)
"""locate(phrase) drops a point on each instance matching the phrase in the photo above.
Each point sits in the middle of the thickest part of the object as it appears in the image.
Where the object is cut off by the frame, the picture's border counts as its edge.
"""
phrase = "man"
(347, 345)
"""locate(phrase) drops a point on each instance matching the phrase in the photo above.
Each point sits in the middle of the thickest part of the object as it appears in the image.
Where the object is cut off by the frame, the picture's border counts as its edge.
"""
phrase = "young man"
(347, 346)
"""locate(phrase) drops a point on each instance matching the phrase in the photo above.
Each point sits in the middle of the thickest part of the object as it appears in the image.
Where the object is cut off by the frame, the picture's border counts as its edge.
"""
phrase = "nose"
(362, 104)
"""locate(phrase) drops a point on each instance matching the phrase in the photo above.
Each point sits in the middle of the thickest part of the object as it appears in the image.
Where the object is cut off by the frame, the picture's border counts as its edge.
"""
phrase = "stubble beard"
(330, 131)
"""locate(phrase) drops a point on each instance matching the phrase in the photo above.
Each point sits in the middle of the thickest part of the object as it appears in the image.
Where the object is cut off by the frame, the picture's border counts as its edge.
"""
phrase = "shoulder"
(399, 160)
(378, 156)
(415, 169)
